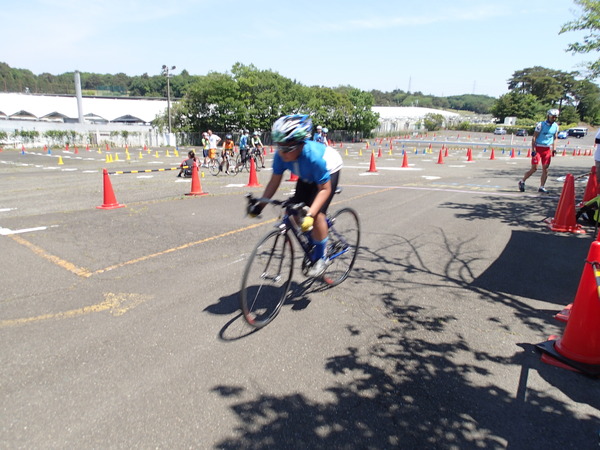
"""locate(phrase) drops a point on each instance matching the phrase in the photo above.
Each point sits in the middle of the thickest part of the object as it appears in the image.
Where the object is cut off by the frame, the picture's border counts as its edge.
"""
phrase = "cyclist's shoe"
(522, 186)
(317, 269)
(543, 190)
(262, 167)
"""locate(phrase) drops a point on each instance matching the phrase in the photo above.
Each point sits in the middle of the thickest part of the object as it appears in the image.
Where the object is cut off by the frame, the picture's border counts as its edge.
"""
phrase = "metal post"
(166, 72)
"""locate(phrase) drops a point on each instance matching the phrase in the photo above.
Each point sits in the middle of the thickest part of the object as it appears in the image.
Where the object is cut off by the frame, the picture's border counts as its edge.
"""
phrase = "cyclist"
(227, 151)
(257, 147)
(243, 144)
(324, 136)
(188, 163)
(318, 135)
(318, 169)
(205, 147)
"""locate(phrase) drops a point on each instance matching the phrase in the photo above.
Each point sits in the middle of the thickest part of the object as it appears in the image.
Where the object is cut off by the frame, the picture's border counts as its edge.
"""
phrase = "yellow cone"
(60, 161)
(156, 153)
(140, 155)
(346, 152)
(176, 154)
(107, 157)
(127, 157)
(360, 152)
(167, 154)
(116, 156)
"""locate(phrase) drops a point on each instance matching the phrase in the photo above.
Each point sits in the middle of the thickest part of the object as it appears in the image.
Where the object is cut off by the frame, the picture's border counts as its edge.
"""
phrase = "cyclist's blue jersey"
(243, 142)
(315, 164)
(546, 132)
(318, 137)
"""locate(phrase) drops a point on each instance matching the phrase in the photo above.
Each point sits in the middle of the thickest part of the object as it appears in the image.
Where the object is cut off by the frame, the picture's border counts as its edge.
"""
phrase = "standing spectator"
(213, 142)
(205, 147)
(324, 136)
(543, 144)
(319, 134)
(257, 146)
(243, 144)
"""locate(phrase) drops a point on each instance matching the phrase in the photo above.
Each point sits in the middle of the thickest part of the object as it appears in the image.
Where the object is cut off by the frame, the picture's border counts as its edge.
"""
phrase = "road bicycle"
(254, 153)
(268, 274)
(227, 164)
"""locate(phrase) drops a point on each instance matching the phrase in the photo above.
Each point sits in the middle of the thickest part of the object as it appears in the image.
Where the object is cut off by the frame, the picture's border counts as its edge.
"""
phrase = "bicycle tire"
(242, 166)
(342, 246)
(257, 164)
(213, 167)
(261, 294)
(232, 167)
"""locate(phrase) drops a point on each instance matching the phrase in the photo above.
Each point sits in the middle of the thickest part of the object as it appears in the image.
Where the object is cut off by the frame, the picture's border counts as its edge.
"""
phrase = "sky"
(433, 46)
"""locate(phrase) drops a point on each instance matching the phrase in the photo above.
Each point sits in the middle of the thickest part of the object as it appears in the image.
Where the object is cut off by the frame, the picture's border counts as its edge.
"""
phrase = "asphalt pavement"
(120, 328)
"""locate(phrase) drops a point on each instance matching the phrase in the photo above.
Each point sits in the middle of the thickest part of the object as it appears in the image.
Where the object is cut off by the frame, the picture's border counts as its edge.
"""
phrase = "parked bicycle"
(268, 273)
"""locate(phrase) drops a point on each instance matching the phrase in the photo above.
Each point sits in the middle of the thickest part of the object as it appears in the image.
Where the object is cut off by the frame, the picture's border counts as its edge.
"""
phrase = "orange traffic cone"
(591, 188)
(492, 155)
(379, 153)
(579, 348)
(446, 152)
(564, 220)
(293, 177)
(564, 153)
(196, 186)
(253, 180)
(469, 155)
(372, 165)
(405, 160)
(110, 201)
(512, 152)
(440, 158)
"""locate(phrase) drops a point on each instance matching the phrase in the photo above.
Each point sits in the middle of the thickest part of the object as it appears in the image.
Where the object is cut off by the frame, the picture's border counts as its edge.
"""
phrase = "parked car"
(577, 132)
(521, 132)
(563, 134)
(500, 130)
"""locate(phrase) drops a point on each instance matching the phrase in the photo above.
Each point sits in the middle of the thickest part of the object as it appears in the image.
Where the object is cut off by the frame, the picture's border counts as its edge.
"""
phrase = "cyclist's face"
(290, 152)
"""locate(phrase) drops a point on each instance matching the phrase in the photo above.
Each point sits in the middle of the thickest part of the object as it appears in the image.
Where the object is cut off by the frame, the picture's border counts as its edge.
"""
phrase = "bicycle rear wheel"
(342, 247)
(267, 278)
(232, 167)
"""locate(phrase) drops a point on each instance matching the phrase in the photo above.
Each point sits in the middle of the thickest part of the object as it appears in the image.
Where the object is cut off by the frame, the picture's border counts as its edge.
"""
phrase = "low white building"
(404, 119)
(105, 119)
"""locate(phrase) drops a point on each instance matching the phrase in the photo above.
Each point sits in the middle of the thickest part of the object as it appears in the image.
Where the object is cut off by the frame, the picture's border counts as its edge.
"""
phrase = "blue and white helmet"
(291, 129)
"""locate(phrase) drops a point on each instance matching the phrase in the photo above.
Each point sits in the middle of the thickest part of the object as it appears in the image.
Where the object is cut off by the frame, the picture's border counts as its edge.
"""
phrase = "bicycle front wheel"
(232, 167)
(267, 278)
(342, 246)
(213, 167)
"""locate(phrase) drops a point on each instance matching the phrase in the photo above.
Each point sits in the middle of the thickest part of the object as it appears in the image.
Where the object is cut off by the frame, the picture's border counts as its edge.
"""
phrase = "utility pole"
(166, 73)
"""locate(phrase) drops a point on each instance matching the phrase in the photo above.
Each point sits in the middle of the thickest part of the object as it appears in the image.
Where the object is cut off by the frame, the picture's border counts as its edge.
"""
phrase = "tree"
(433, 122)
(551, 87)
(516, 104)
(587, 98)
(589, 21)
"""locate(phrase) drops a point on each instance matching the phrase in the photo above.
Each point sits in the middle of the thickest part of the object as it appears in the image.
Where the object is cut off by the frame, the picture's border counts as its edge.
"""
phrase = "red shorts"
(543, 155)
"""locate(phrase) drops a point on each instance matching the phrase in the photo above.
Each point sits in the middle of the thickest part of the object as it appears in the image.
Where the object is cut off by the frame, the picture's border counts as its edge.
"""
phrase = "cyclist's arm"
(272, 186)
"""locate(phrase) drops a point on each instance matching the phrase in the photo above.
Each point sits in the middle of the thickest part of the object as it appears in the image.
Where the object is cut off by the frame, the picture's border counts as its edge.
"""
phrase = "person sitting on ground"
(187, 165)
(318, 169)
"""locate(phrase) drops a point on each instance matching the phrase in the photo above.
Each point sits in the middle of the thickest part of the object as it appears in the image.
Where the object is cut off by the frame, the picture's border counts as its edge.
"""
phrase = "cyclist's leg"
(320, 228)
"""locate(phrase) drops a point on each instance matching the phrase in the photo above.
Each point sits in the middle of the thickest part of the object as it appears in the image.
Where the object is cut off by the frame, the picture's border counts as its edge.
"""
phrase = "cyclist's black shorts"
(306, 192)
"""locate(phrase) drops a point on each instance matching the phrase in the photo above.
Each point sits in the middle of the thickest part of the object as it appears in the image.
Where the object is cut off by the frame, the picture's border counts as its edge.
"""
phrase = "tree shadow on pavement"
(408, 392)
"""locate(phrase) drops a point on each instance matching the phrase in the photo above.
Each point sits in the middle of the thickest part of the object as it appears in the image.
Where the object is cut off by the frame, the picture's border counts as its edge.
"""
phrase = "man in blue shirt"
(243, 144)
(543, 146)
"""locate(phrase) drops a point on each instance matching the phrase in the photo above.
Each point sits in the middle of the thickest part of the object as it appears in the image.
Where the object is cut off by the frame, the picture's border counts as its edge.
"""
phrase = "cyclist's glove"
(254, 209)
(307, 224)
(533, 153)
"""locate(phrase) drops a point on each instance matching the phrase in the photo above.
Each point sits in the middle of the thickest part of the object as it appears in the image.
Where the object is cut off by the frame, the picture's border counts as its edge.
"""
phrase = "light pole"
(166, 73)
